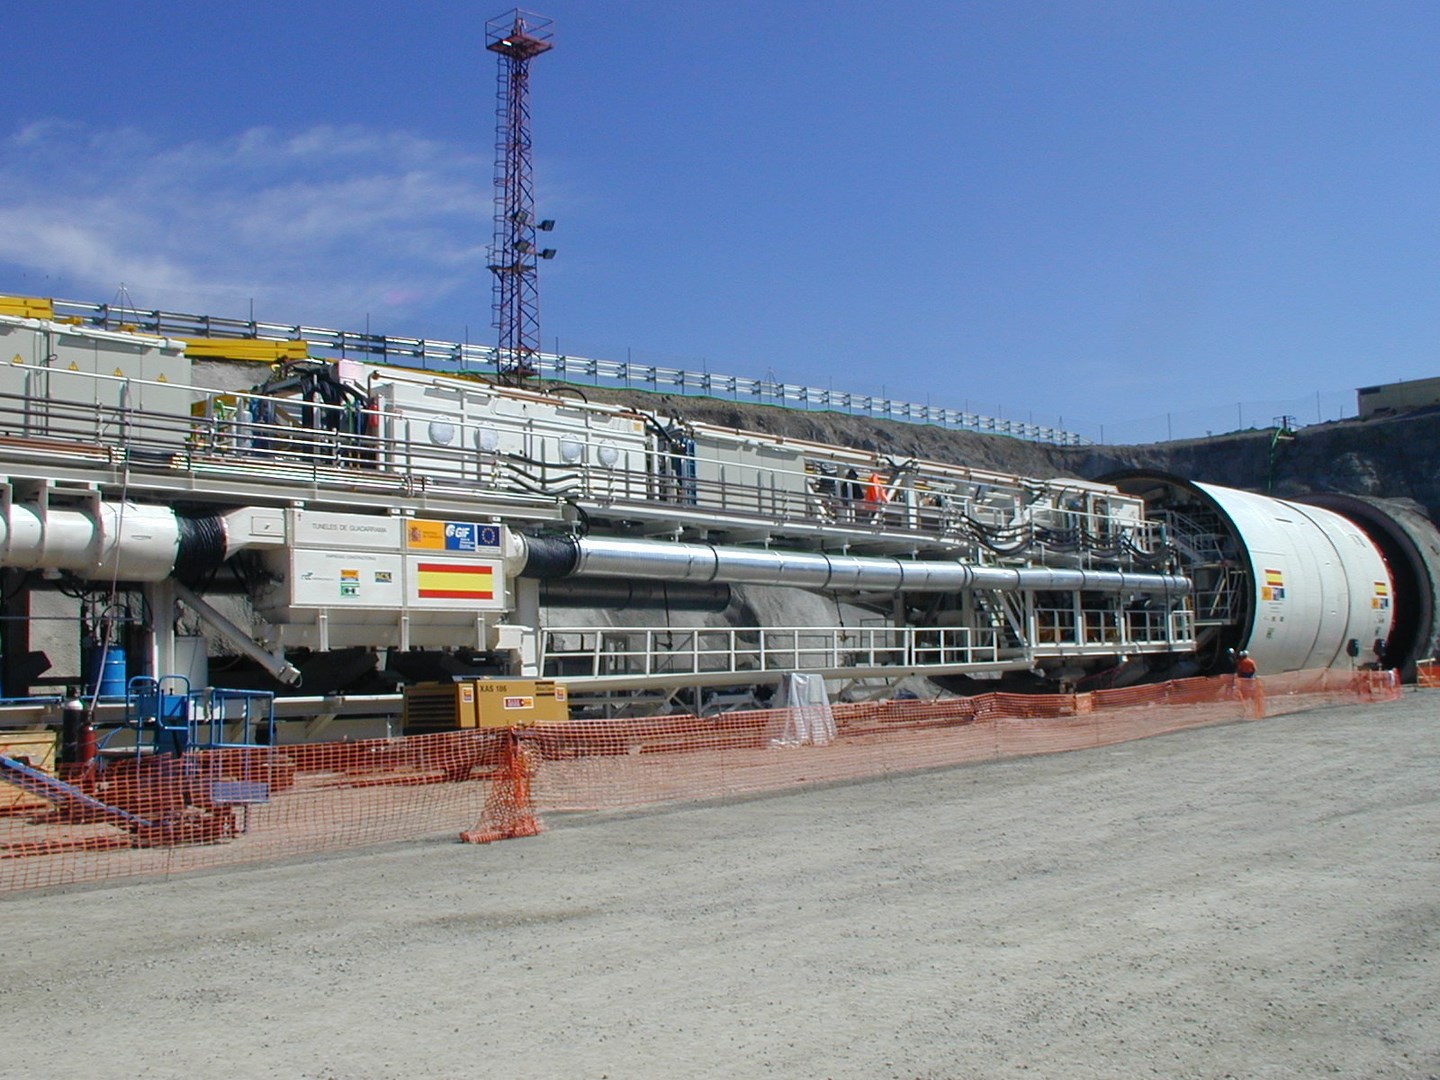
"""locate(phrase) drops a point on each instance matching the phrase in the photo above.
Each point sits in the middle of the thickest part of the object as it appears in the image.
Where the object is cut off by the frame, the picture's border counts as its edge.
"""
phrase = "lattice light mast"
(517, 38)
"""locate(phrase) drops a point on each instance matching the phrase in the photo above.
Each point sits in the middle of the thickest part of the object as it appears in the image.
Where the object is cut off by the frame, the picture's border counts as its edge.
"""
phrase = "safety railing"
(1058, 631)
(449, 356)
(597, 652)
(104, 434)
(91, 416)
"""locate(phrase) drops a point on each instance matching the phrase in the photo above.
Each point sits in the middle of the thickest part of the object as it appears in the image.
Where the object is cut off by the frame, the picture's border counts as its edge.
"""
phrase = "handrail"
(83, 414)
(658, 651)
(449, 356)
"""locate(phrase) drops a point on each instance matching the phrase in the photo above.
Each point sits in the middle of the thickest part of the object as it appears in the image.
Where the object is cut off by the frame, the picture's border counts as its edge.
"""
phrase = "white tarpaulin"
(809, 720)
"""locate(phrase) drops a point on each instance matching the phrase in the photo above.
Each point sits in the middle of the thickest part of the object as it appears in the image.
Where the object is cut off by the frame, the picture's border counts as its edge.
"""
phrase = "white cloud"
(323, 225)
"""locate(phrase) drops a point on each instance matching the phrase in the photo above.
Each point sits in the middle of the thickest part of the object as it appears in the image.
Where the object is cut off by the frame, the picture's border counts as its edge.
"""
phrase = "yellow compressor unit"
(483, 703)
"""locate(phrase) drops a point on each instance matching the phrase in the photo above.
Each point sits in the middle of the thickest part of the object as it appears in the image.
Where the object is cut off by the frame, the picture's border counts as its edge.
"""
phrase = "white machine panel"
(453, 565)
(349, 532)
(369, 571)
(462, 538)
(749, 464)
(45, 362)
(452, 430)
(436, 581)
(345, 579)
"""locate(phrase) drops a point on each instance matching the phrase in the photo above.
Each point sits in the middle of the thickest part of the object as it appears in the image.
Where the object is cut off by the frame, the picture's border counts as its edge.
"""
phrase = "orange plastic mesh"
(509, 812)
(147, 815)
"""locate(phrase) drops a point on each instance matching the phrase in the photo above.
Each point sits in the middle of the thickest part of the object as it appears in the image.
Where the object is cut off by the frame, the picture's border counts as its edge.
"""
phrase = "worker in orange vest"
(1247, 682)
(876, 496)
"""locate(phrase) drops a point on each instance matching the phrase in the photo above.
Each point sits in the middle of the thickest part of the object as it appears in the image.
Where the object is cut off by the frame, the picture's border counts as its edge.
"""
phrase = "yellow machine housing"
(27, 307)
(253, 349)
(483, 703)
(503, 703)
(438, 707)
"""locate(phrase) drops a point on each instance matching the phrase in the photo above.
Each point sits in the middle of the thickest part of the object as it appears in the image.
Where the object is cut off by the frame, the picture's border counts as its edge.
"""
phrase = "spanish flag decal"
(1274, 587)
(455, 581)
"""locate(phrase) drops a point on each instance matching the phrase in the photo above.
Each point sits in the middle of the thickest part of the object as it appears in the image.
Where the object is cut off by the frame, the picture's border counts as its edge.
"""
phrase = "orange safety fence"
(1427, 673)
(135, 813)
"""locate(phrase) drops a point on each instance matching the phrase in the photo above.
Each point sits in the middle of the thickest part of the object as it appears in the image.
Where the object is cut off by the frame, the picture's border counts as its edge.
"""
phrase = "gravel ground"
(1255, 900)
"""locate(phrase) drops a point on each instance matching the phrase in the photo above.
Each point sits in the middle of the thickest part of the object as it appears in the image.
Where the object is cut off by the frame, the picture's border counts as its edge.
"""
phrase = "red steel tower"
(517, 38)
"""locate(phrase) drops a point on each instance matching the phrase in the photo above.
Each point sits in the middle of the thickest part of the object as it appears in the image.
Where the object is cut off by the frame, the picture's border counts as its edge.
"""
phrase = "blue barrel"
(105, 671)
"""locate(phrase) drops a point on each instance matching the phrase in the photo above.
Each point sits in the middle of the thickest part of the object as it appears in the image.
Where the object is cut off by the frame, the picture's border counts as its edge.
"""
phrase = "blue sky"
(1157, 215)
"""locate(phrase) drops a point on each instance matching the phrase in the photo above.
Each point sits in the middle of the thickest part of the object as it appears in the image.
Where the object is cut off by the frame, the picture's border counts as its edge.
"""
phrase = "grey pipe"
(274, 663)
(657, 559)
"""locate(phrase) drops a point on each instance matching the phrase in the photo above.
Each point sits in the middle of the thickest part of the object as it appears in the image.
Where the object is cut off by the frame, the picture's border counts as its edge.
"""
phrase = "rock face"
(1391, 458)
